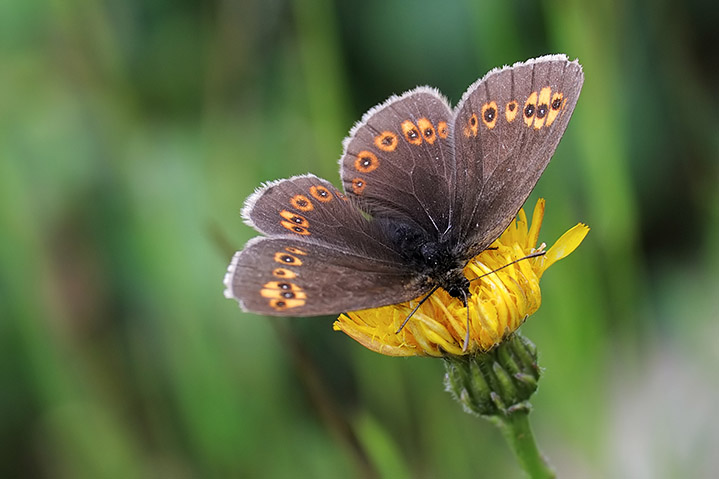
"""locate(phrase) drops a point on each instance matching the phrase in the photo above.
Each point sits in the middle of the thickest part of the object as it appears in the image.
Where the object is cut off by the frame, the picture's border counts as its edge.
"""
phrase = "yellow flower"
(500, 302)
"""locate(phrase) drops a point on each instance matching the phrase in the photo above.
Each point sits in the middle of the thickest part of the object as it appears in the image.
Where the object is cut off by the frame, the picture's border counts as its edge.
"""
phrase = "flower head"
(500, 301)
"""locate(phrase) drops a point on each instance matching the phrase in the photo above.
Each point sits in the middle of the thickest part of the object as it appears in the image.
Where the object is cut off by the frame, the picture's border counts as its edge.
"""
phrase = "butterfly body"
(426, 188)
(439, 263)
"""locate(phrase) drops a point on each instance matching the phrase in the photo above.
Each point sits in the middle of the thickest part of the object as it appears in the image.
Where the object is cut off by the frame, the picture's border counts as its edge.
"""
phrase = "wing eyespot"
(428, 132)
(556, 105)
(411, 133)
(321, 194)
(288, 259)
(302, 203)
(358, 185)
(442, 129)
(510, 111)
(472, 127)
(366, 162)
(489, 114)
(530, 107)
(386, 141)
(283, 273)
(542, 107)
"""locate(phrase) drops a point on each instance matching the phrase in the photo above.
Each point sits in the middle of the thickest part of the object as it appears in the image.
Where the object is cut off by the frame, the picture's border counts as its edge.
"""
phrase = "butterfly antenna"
(529, 256)
(421, 302)
(466, 336)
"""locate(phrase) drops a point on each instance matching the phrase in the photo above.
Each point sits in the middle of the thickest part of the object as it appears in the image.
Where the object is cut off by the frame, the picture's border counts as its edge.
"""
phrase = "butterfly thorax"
(437, 261)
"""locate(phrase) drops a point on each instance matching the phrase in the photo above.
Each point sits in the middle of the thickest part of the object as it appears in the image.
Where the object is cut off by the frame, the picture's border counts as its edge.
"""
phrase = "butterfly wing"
(312, 209)
(506, 129)
(323, 256)
(398, 160)
(285, 276)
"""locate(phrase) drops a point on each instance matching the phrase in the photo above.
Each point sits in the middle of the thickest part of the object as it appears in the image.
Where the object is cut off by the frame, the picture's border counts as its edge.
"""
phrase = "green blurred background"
(131, 133)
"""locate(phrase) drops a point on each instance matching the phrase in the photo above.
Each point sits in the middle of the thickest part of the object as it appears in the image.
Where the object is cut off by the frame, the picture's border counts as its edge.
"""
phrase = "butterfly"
(426, 187)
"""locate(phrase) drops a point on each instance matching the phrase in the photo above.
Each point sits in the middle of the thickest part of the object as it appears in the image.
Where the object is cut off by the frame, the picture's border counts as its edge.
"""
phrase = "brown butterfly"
(426, 188)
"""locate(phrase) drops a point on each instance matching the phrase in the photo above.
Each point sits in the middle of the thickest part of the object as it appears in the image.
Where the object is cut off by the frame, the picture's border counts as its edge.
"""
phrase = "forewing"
(506, 129)
(312, 209)
(398, 160)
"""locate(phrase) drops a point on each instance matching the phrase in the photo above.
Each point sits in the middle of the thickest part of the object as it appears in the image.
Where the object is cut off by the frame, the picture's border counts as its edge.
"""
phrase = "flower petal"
(567, 243)
(537, 217)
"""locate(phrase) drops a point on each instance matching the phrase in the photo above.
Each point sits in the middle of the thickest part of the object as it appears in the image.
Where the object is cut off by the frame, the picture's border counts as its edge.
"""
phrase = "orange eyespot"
(411, 133)
(489, 114)
(279, 294)
(472, 127)
(366, 162)
(295, 219)
(386, 141)
(510, 111)
(302, 203)
(292, 249)
(427, 130)
(284, 304)
(530, 107)
(300, 230)
(287, 259)
(358, 185)
(442, 130)
(283, 273)
(555, 107)
(542, 107)
(321, 193)
(282, 285)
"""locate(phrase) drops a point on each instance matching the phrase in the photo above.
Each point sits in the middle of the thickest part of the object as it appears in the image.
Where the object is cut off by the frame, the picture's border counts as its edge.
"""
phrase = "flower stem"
(497, 385)
(518, 433)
